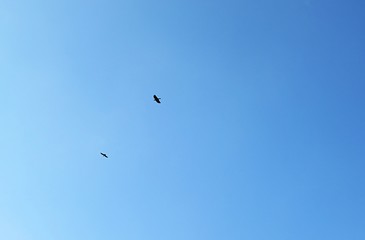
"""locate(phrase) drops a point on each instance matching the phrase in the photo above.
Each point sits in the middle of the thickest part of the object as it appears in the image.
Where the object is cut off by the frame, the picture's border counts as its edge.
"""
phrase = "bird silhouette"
(104, 155)
(157, 99)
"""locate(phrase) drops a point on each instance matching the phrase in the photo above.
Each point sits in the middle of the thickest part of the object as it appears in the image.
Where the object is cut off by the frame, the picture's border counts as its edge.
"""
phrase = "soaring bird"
(157, 99)
(104, 155)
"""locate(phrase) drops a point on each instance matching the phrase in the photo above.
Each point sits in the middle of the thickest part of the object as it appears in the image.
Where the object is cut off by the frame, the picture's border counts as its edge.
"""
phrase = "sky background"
(260, 134)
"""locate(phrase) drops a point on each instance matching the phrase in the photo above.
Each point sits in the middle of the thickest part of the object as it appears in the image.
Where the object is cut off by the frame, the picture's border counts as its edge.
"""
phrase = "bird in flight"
(104, 155)
(157, 99)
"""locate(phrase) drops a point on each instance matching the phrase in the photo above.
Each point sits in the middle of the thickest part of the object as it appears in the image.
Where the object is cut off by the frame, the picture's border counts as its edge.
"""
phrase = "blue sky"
(260, 134)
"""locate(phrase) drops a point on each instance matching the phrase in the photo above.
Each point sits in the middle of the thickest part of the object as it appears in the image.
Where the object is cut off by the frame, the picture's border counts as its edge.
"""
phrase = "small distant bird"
(157, 99)
(104, 155)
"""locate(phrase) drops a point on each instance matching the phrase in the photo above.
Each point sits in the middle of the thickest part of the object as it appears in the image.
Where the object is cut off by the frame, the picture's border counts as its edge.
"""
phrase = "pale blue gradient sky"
(260, 134)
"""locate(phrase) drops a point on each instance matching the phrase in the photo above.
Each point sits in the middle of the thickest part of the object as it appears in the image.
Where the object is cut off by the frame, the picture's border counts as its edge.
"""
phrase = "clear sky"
(260, 134)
